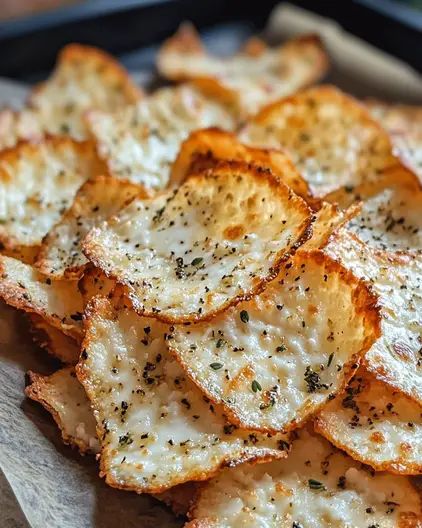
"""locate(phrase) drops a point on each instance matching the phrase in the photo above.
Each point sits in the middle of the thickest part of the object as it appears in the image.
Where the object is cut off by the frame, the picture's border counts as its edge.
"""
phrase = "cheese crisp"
(274, 360)
(140, 143)
(189, 253)
(315, 486)
(376, 425)
(250, 79)
(156, 429)
(331, 138)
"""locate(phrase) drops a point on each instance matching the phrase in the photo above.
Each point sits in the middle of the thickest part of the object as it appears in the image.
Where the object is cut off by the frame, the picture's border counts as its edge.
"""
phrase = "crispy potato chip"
(58, 344)
(59, 303)
(396, 357)
(331, 138)
(274, 360)
(140, 143)
(250, 79)
(95, 282)
(391, 220)
(38, 183)
(376, 425)
(64, 397)
(317, 486)
(404, 123)
(206, 148)
(191, 252)
(98, 199)
(155, 427)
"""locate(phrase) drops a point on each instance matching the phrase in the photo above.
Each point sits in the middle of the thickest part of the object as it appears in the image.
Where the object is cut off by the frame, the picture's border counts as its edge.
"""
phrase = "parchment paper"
(44, 484)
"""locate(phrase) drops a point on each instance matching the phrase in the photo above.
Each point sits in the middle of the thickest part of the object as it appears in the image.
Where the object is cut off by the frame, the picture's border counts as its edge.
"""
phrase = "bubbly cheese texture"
(274, 360)
(395, 357)
(376, 425)
(58, 302)
(140, 143)
(250, 79)
(58, 344)
(331, 139)
(317, 486)
(155, 427)
(404, 123)
(64, 397)
(98, 199)
(188, 253)
(38, 183)
(391, 220)
(207, 147)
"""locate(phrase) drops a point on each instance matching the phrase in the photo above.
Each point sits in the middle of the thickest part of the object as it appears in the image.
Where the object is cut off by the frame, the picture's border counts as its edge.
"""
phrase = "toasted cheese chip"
(98, 199)
(155, 427)
(396, 357)
(274, 360)
(250, 79)
(58, 302)
(140, 143)
(38, 183)
(317, 486)
(189, 253)
(206, 148)
(95, 282)
(180, 498)
(16, 126)
(331, 138)
(404, 123)
(64, 397)
(391, 220)
(58, 344)
(376, 425)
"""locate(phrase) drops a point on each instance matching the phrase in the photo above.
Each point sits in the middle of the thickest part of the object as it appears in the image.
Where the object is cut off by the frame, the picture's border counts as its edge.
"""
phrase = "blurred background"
(32, 31)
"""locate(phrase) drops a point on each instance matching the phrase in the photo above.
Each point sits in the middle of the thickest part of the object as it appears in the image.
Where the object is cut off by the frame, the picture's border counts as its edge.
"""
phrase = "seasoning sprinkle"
(244, 316)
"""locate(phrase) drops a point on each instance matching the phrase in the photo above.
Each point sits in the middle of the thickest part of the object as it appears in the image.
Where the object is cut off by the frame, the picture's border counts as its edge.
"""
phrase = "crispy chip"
(404, 123)
(206, 148)
(396, 357)
(58, 302)
(250, 79)
(155, 427)
(391, 220)
(179, 498)
(18, 125)
(64, 397)
(316, 486)
(376, 425)
(98, 199)
(189, 253)
(95, 282)
(54, 340)
(38, 183)
(274, 360)
(141, 142)
(331, 138)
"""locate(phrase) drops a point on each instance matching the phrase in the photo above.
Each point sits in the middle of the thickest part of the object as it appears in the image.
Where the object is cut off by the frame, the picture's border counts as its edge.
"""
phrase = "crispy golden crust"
(95, 282)
(98, 256)
(180, 498)
(58, 344)
(206, 148)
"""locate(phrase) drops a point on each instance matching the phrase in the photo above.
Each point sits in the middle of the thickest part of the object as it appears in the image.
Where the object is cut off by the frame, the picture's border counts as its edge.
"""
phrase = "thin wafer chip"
(98, 199)
(274, 360)
(404, 123)
(64, 397)
(59, 303)
(191, 252)
(391, 220)
(95, 282)
(376, 425)
(331, 138)
(316, 486)
(250, 79)
(206, 148)
(396, 357)
(155, 427)
(58, 344)
(141, 142)
(38, 183)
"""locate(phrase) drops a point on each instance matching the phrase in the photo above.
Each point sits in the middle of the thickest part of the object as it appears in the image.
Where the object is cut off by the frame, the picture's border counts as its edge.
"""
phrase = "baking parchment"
(44, 484)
